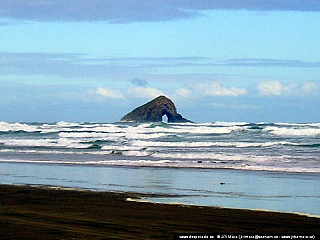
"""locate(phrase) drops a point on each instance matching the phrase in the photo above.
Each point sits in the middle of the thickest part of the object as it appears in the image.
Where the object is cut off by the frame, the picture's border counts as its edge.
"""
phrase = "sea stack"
(154, 110)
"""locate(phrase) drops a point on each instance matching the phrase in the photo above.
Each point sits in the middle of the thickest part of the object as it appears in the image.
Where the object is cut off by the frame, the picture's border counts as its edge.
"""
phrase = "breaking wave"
(251, 146)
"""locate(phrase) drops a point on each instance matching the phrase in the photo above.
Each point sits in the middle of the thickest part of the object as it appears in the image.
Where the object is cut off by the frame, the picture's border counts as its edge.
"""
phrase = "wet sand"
(42, 213)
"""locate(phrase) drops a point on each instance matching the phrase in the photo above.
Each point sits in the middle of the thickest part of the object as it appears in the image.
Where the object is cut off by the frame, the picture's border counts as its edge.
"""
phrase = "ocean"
(228, 164)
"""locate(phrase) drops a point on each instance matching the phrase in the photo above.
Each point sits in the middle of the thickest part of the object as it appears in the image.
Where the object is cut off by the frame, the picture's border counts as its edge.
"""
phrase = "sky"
(218, 60)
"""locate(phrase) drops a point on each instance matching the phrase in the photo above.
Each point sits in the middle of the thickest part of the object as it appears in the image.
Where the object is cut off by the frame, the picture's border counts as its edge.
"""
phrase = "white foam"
(205, 130)
(299, 124)
(50, 151)
(217, 123)
(66, 124)
(201, 155)
(171, 144)
(137, 153)
(265, 144)
(209, 144)
(61, 142)
(31, 143)
(282, 131)
(6, 127)
(168, 163)
(145, 136)
(111, 136)
(91, 135)
(230, 123)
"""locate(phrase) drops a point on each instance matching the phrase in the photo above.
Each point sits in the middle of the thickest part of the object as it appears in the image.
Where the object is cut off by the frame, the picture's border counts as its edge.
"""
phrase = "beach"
(273, 191)
(28, 212)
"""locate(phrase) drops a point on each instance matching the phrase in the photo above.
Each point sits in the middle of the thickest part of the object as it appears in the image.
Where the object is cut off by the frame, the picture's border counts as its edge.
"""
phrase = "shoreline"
(43, 212)
(203, 167)
(221, 207)
(284, 192)
(141, 197)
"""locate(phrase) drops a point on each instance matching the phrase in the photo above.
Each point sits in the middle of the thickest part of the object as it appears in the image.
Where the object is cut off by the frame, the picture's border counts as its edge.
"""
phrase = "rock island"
(154, 110)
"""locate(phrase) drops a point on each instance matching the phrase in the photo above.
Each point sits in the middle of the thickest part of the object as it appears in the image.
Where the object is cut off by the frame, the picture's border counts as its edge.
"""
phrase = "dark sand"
(42, 213)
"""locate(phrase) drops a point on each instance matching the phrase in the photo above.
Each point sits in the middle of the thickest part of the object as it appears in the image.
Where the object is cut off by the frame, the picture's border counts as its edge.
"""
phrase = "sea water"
(273, 166)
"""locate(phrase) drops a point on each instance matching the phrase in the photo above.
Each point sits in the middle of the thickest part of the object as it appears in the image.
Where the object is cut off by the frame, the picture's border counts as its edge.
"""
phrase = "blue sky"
(231, 60)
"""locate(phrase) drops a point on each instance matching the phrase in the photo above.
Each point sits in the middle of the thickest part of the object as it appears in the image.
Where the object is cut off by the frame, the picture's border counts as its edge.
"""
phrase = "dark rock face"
(154, 110)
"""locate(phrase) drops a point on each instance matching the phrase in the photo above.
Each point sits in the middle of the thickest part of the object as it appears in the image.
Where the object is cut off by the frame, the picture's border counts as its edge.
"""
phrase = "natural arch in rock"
(154, 110)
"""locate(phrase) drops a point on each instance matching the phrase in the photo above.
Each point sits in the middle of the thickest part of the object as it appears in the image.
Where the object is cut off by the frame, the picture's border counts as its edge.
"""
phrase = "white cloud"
(215, 89)
(308, 87)
(145, 92)
(268, 88)
(110, 93)
(183, 92)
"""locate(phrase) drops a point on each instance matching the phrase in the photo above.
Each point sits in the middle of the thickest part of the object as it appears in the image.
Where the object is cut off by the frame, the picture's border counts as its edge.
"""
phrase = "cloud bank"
(275, 88)
(125, 11)
(183, 92)
(270, 88)
(110, 93)
(216, 89)
(145, 92)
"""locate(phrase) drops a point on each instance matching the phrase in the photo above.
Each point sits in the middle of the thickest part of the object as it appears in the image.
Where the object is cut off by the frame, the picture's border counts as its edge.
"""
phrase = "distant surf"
(289, 147)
